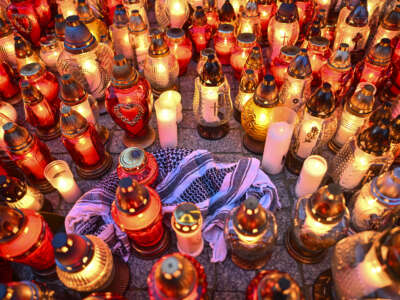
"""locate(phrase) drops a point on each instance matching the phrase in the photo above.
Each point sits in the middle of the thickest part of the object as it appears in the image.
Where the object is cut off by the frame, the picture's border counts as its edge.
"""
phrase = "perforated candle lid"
(187, 217)
(11, 222)
(132, 197)
(250, 218)
(327, 205)
(11, 189)
(132, 159)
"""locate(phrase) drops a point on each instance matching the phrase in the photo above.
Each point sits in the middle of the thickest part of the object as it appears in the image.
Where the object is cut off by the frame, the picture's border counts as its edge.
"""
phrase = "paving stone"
(116, 145)
(283, 192)
(140, 269)
(232, 278)
(311, 272)
(284, 220)
(136, 295)
(229, 296)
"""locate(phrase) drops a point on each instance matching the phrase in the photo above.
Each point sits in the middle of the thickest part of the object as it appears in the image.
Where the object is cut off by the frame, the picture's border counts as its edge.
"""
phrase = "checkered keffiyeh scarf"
(184, 175)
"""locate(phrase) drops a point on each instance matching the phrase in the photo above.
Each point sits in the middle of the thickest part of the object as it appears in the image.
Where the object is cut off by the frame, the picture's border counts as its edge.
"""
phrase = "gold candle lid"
(341, 59)
(131, 196)
(187, 217)
(250, 218)
(17, 138)
(11, 222)
(300, 66)
(136, 23)
(362, 101)
(72, 123)
(158, 46)
(132, 159)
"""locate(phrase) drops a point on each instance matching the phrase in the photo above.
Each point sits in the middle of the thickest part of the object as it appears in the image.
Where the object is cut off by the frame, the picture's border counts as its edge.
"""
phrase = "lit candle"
(209, 109)
(61, 178)
(276, 146)
(91, 72)
(178, 13)
(356, 170)
(167, 127)
(172, 99)
(312, 172)
(308, 137)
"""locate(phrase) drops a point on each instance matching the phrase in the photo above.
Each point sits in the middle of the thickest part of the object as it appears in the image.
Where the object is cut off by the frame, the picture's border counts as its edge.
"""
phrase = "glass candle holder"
(345, 10)
(305, 9)
(389, 28)
(320, 220)
(212, 105)
(129, 101)
(181, 47)
(255, 62)
(283, 28)
(61, 178)
(244, 45)
(172, 13)
(377, 269)
(74, 95)
(26, 238)
(200, 32)
(24, 53)
(18, 194)
(267, 9)
(59, 29)
(39, 113)
(315, 129)
(227, 14)
(251, 232)
(247, 87)
(138, 165)
(203, 59)
(85, 264)
(338, 71)
(187, 223)
(30, 18)
(88, 61)
(139, 5)
(7, 49)
(258, 113)
(172, 99)
(67, 7)
(318, 52)
(140, 39)
(167, 125)
(273, 284)
(96, 26)
(83, 143)
(9, 89)
(25, 290)
(120, 33)
(356, 110)
(249, 20)
(376, 203)
(50, 50)
(210, 8)
(279, 65)
(137, 210)
(30, 154)
(177, 276)
(224, 42)
(363, 156)
(296, 88)
(161, 68)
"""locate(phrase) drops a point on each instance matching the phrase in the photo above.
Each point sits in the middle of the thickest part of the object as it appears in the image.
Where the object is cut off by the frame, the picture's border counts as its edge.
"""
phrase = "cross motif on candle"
(284, 38)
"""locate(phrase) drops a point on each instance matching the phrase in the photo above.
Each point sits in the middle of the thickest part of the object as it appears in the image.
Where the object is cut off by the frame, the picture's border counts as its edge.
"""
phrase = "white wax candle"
(172, 99)
(312, 172)
(355, 170)
(209, 105)
(167, 128)
(177, 12)
(122, 44)
(276, 146)
(68, 188)
(308, 137)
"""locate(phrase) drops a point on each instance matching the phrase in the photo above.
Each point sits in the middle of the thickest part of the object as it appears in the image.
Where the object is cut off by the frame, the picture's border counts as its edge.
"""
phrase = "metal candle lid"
(30, 94)
(250, 218)
(225, 29)
(300, 66)
(31, 71)
(71, 92)
(22, 48)
(341, 58)
(267, 92)
(132, 159)
(287, 53)
(120, 16)
(226, 13)
(392, 20)
(11, 222)
(381, 53)
(254, 60)
(358, 17)
(158, 46)
(11, 189)
(59, 26)
(248, 82)
(175, 34)
(123, 75)
(322, 102)
(212, 74)
(319, 42)
(85, 13)
(132, 197)
(136, 23)
(362, 101)
(246, 40)
(375, 139)
(17, 138)
(187, 217)
(78, 38)
(72, 123)
(287, 12)
(386, 187)
(199, 17)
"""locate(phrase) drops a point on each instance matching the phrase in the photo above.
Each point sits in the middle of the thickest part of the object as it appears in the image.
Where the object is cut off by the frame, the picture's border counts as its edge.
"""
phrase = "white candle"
(209, 105)
(349, 125)
(308, 136)
(172, 99)
(177, 12)
(167, 127)
(122, 43)
(276, 146)
(312, 172)
(91, 71)
(355, 170)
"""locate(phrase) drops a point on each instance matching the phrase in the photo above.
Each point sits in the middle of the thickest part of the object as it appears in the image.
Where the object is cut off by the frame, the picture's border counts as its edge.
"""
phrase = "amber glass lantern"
(212, 105)
(356, 110)
(86, 16)
(224, 42)
(203, 59)
(120, 33)
(30, 154)
(9, 89)
(338, 71)
(389, 27)
(362, 157)
(25, 290)
(249, 20)
(315, 129)
(73, 95)
(244, 45)
(318, 52)
(257, 114)
(138, 165)
(267, 9)
(255, 62)
(82, 142)
(273, 284)
(279, 65)
(172, 13)
(140, 39)
(26, 238)
(7, 49)
(247, 87)
(89, 62)
(227, 14)
(321, 219)
(137, 210)
(24, 53)
(200, 32)
(296, 88)
(251, 232)
(283, 28)
(376, 67)
(39, 113)
(181, 47)
(85, 264)
(129, 101)
(377, 270)
(177, 276)
(161, 68)
(18, 194)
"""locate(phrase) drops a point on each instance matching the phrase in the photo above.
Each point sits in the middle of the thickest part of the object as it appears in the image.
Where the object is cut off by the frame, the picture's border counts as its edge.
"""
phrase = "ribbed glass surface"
(161, 72)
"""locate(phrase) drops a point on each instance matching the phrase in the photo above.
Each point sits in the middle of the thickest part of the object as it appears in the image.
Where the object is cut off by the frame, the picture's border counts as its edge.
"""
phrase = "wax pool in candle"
(276, 146)
(314, 169)
(167, 128)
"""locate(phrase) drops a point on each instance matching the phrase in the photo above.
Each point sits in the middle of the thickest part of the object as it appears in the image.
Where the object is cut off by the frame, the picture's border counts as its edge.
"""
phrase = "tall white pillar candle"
(276, 146)
(172, 99)
(167, 127)
(314, 169)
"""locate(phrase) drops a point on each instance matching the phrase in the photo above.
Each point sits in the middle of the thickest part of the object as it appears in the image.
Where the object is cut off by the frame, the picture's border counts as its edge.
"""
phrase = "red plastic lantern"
(244, 45)
(9, 89)
(224, 43)
(109, 7)
(30, 18)
(200, 31)
(26, 238)
(280, 64)
(267, 9)
(29, 153)
(181, 47)
(318, 53)
(137, 210)
(210, 8)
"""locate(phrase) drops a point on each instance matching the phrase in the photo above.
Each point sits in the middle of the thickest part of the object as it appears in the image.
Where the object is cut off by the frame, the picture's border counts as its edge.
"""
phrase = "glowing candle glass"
(120, 34)
(389, 27)
(249, 20)
(318, 52)
(255, 62)
(203, 59)
(167, 127)
(247, 87)
(9, 89)
(224, 42)
(172, 13)
(61, 178)
(279, 65)
(200, 32)
(172, 99)
(24, 53)
(140, 39)
(244, 45)
(267, 9)
(311, 175)
(67, 7)
(181, 47)
(50, 50)
(7, 50)
(320, 220)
